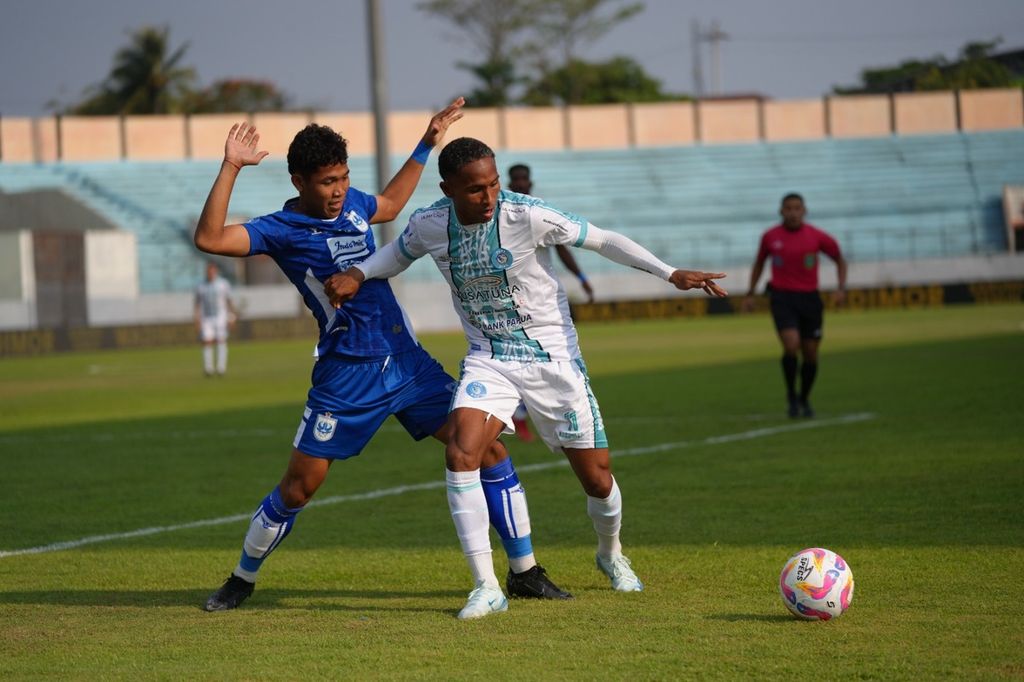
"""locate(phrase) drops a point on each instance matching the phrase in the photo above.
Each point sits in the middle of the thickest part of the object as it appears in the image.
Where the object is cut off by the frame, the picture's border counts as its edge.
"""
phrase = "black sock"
(789, 372)
(808, 371)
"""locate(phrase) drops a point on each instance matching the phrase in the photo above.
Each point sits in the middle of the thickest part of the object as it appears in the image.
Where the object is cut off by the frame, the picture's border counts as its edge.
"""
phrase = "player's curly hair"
(459, 152)
(314, 147)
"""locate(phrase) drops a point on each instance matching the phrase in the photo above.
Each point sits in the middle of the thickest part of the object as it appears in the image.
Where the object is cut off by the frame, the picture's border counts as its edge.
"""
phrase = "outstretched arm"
(212, 235)
(386, 262)
(395, 196)
(572, 266)
(623, 250)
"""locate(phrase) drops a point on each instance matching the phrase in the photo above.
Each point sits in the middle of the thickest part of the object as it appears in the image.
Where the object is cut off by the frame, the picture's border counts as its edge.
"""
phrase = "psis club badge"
(501, 259)
(325, 427)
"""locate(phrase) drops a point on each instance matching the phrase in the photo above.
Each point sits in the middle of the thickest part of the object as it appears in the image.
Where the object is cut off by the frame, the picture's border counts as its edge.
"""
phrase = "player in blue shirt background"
(369, 363)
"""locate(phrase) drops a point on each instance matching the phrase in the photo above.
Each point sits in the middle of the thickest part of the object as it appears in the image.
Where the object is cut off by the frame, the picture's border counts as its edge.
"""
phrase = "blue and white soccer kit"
(513, 308)
(369, 362)
(369, 366)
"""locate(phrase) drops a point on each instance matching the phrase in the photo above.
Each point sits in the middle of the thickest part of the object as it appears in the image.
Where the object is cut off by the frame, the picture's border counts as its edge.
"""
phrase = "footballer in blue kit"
(369, 364)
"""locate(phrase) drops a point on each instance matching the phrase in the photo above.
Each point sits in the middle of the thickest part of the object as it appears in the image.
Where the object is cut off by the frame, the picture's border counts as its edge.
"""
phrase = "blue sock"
(269, 526)
(506, 507)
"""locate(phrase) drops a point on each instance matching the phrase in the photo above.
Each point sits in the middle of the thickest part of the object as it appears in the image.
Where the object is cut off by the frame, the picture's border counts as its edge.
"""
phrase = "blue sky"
(316, 50)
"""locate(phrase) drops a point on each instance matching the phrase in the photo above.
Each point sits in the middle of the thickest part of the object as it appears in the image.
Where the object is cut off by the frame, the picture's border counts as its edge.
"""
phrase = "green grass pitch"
(924, 499)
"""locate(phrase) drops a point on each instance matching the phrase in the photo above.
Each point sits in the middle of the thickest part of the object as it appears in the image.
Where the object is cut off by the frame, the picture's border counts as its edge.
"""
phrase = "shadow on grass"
(313, 600)
(752, 617)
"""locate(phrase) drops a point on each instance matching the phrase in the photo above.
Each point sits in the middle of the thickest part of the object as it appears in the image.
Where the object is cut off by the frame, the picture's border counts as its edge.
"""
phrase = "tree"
(564, 24)
(238, 94)
(619, 79)
(146, 78)
(975, 68)
(494, 27)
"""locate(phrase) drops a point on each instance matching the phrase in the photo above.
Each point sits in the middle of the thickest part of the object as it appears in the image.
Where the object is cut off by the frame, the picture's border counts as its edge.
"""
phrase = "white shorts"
(556, 394)
(213, 328)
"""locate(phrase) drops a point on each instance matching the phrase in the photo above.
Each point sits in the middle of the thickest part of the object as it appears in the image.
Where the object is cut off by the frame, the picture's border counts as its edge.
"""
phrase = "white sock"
(607, 517)
(469, 512)
(222, 357)
(208, 359)
(520, 564)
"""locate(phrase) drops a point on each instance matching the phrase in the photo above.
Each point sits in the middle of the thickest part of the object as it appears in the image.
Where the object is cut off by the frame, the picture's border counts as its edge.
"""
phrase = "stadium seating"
(884, 198)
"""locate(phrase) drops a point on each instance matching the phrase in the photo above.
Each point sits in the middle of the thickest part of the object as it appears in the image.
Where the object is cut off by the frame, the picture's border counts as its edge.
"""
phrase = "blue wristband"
(421, 153)
(582, 278)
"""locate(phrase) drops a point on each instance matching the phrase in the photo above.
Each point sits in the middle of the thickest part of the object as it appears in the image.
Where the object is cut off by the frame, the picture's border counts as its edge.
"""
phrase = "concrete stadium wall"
(356, 128)
(991, 109)
(17, 281)
(153, 138)
(534, 129)
(794, 120)
(916, 113)
(722, 122)
(859, 116)
(276, 131)
(602, 126)
(207, 133)
(90, 138)
(663, 124)
(17, 137)
(614, 126)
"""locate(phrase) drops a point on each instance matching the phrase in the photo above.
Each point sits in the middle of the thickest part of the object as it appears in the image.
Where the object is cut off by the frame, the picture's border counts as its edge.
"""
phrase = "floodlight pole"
(379, 97)
(698, 75)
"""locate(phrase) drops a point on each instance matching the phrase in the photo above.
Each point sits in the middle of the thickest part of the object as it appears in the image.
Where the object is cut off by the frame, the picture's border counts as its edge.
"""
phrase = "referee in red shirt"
(793, 291)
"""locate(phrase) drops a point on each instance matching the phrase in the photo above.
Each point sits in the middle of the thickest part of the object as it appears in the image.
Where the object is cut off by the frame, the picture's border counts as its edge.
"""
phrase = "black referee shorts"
(802, 310)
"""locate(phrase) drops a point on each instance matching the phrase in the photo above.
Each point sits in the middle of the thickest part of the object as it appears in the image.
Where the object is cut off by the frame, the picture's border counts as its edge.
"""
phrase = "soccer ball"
(816, 584)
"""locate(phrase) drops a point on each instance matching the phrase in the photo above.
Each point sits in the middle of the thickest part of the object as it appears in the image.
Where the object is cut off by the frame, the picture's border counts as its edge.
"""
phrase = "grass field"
(923, 495)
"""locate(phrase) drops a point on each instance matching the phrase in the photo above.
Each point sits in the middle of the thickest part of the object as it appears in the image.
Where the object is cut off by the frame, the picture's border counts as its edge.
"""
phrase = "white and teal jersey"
(511, 304)
(212, 298)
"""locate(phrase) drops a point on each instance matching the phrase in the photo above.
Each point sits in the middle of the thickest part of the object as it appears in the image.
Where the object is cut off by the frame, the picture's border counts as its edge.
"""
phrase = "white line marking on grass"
(433, 485)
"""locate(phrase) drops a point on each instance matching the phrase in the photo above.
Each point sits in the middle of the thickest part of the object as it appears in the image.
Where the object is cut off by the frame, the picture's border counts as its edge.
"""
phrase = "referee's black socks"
(808, 371)
(789, 372)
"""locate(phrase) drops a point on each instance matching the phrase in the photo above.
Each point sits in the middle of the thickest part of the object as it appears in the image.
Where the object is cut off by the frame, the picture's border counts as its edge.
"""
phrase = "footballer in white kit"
(522, 344)
(214, 312)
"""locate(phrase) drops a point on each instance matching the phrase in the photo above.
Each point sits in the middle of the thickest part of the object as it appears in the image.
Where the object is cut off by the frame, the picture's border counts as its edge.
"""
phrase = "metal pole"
(379, 97)
(698, 76)
(715, 37)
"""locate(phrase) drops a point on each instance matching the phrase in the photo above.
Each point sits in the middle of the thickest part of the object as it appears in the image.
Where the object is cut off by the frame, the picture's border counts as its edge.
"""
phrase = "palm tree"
(144, 79)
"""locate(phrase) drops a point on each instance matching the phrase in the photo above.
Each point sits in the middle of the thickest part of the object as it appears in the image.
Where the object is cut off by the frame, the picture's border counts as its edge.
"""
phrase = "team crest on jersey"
(325, 426)
(357, 221)
(501, 259)
(475, 389)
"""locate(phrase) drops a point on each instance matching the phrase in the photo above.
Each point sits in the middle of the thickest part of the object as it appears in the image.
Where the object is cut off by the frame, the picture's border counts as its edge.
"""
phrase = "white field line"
(432, 485)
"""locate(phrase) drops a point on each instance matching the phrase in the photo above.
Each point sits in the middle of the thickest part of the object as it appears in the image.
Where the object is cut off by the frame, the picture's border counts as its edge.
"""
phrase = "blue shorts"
(351, 398)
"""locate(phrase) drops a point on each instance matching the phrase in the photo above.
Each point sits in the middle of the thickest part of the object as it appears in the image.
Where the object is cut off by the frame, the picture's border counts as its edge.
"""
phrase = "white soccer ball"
(816, 584)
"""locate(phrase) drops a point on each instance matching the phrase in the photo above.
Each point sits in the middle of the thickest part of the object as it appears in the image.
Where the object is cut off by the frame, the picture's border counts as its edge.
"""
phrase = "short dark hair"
(315, 147)
(518, 167)
(460, 152)
(792, 195)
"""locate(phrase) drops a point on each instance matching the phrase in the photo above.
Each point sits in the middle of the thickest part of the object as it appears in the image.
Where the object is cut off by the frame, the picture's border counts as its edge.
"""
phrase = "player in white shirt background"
(214, 314)
(522, 344)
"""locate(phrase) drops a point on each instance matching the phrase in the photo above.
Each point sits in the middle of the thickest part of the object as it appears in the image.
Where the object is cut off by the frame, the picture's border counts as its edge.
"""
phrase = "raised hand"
(439, 123)
(695, 279)
(240, 148)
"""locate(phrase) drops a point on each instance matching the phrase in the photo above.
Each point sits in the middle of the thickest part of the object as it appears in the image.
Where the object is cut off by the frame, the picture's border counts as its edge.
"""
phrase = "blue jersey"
(309, 250)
